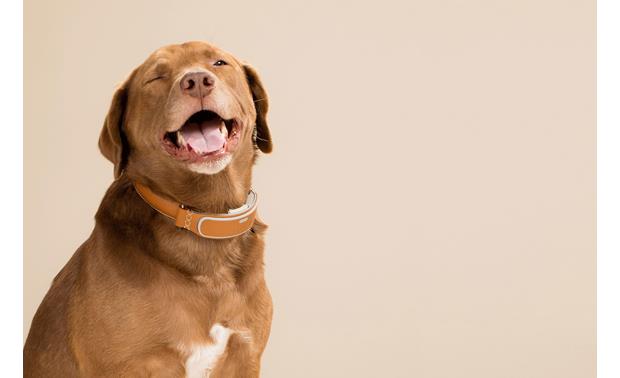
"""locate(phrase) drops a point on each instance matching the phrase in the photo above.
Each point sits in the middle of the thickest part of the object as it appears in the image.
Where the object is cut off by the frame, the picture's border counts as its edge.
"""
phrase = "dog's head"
(189, 112)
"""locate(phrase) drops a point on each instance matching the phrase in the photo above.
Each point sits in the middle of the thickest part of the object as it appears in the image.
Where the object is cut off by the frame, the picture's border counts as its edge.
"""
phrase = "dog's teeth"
(224, 130)
(180, 139)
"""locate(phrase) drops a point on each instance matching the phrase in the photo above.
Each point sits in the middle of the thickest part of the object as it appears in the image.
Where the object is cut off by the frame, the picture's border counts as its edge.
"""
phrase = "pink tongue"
(204, 138)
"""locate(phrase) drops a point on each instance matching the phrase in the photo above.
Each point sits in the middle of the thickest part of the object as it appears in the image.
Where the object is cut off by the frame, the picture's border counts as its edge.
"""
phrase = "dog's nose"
(197, 84)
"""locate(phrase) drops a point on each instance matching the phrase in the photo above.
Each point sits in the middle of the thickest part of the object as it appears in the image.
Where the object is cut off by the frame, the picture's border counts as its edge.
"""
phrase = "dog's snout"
(197, 84)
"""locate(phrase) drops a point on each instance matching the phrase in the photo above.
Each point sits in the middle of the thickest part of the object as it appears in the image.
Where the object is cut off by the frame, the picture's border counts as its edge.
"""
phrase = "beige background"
(432, 192)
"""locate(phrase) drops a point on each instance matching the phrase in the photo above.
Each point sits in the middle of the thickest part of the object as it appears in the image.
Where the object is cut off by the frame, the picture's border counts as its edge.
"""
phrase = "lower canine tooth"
(180, 139)
(224, 130)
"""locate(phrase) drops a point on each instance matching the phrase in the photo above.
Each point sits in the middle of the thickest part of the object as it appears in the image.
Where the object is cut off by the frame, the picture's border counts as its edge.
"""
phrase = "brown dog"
(144, 297)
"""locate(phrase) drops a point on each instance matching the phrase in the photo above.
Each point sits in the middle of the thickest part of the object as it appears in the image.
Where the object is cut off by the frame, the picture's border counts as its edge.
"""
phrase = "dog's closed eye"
(159, 77)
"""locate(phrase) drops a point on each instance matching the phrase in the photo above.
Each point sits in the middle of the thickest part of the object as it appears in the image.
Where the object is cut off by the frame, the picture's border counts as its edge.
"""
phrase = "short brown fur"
(139, 286)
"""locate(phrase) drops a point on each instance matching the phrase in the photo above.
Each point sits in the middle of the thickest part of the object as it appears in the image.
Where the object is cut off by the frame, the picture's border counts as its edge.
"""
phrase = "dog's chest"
(204, 357)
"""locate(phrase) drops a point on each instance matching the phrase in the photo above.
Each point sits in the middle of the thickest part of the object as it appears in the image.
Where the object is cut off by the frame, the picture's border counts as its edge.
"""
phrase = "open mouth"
(204, 136)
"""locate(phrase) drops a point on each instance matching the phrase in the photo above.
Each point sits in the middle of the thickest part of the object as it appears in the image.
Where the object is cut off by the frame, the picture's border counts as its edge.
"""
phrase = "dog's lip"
(194, 114)
(179, 148)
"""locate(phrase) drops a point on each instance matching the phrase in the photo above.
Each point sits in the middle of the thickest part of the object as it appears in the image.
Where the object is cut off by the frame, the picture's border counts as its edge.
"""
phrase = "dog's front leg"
(164, 363)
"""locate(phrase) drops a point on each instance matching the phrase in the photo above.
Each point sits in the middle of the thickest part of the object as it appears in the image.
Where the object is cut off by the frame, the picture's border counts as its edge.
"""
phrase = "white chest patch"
(203, 358)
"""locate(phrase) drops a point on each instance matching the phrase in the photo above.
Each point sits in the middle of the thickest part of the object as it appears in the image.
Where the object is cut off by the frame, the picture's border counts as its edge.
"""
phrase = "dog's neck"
(124, 212)
(206, 193)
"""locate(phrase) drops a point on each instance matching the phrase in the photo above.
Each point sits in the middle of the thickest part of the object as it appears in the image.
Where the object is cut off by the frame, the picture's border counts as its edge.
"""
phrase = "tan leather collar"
(212, 226)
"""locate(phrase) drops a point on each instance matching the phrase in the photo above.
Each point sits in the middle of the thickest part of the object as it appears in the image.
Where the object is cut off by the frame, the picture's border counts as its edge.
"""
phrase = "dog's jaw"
(211, 167)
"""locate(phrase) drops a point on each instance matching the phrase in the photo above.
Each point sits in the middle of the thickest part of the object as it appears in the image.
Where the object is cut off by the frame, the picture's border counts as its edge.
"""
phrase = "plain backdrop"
(431, 195)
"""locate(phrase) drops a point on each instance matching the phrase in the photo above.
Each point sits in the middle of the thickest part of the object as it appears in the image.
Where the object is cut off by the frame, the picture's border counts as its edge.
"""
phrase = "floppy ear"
(112, 142)
(261, 103)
